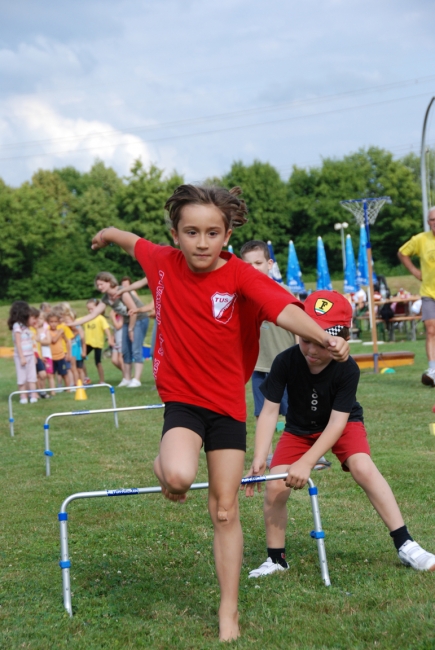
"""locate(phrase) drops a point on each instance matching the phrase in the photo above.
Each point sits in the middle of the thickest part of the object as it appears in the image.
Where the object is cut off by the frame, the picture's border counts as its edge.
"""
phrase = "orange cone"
(80, 392)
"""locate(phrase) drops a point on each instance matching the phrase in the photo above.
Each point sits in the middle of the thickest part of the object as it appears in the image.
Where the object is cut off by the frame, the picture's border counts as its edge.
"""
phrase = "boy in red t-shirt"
(209, 308)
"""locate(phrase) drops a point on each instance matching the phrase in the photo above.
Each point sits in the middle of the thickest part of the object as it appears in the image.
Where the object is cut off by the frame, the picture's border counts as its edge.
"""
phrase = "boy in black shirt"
(323, 414)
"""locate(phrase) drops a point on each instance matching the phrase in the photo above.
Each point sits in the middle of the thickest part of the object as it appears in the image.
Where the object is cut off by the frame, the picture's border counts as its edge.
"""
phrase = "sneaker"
(411, 554)
(23, 400)
(322, 463)
(134, 383)
(86, 381)
(44, 395)
(428, 378)
(124, 382)
(266, 569)
(33, 400)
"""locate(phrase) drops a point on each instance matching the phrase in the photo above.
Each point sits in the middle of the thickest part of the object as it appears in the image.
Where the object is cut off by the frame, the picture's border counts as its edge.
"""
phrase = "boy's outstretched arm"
(299, 472)
(264, 431)
(111, 235)
(294, 319)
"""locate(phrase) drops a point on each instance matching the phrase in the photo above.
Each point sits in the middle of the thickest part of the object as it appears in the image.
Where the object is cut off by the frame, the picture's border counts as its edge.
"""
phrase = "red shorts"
(291, 448)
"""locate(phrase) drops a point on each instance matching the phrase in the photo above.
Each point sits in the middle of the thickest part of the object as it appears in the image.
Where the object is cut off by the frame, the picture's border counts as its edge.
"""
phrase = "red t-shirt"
(208, 327)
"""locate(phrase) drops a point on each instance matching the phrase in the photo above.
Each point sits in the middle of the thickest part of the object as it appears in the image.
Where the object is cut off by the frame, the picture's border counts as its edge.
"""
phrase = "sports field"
(142, 568)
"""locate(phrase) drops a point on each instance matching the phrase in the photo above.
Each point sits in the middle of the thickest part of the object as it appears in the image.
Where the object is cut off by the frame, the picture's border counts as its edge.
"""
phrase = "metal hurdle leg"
(59, 390)
(65, 563)
(48, 453)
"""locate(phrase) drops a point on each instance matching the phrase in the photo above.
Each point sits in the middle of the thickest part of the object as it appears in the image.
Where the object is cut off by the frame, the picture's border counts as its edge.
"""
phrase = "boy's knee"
(223, 511)
(360, 466)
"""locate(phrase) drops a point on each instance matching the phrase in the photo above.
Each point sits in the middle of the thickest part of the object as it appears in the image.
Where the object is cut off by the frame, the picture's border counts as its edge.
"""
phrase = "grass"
(142, 568)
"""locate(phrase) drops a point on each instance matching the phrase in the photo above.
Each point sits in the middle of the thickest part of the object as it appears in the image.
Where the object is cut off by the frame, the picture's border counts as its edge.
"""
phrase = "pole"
(424, 199)
(371, 294)
(343, 251)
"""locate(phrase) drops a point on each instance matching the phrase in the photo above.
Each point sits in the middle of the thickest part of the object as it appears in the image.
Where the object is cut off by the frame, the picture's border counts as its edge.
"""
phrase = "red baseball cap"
(330, 309)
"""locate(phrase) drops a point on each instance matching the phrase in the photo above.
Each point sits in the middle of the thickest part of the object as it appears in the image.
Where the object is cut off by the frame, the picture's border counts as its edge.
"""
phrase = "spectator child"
(95, 330)
(209, 306)
(116, 358)
(323, 414)
(20, 318)
(58, 344)
(78, 349)
(41, 371)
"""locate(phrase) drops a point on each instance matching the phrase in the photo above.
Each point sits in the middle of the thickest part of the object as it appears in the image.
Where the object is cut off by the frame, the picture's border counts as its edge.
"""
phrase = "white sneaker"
(33, 400)
(124, 382)
(134, 383)
(411, 554)
(428, 378)
(266, 569)
(322, 463)
(23, 400)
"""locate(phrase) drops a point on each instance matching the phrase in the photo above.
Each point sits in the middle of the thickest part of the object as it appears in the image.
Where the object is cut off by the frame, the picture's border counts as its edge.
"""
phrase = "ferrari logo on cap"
(322, 306)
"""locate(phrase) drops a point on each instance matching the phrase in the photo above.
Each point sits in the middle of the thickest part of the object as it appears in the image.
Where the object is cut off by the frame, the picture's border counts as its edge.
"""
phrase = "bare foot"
(181, 498)
(229, 629)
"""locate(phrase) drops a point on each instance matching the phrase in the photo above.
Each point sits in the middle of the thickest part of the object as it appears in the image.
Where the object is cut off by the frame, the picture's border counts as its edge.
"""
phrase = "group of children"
(49, 347)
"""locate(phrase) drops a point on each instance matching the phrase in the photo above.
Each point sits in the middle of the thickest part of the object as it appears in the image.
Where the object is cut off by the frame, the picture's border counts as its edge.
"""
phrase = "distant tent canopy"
(323, 278)
(294, 275)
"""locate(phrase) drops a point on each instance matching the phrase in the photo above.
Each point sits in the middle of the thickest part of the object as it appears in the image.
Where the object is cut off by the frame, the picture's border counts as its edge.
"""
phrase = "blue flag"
(294, 275)
(323, 279)
(350, 284)
(274, 273)
(230, 248)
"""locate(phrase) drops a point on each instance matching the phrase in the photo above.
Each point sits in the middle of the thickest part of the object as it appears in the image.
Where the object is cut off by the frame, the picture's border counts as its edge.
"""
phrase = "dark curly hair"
(233, 209)
(20, 312)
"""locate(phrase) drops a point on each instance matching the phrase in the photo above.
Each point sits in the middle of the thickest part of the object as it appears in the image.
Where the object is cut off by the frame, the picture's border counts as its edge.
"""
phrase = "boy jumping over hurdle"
(323, 414)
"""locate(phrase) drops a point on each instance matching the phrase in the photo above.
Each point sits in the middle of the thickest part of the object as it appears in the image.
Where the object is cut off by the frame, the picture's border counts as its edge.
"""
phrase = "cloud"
(33, 133)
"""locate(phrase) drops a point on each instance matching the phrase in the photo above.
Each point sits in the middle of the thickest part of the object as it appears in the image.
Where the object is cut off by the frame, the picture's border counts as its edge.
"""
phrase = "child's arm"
(111, 235)
(149, 307)
(135, 286)
(295, 320)
(55, 336)
(68, 346)
(82, 341)
(17, 339)
(264, 431)
(110, 338)
(99, 309)
(299, 472)
(116, 322)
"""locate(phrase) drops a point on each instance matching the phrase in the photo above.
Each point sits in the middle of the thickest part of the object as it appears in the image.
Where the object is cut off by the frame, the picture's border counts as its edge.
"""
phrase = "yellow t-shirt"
(423, 245)
(68, 333)
(94, 331)
(36, 344)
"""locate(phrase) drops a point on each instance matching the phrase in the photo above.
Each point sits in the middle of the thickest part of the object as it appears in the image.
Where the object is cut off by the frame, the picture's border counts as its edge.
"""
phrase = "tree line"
(47, 223)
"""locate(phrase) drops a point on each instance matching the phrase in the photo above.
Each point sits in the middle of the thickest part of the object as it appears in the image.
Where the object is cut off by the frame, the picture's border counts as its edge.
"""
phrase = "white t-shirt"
(26, 339)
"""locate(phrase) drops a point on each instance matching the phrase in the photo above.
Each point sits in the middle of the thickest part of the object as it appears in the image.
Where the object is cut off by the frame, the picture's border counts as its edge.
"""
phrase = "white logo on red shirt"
(223, 306)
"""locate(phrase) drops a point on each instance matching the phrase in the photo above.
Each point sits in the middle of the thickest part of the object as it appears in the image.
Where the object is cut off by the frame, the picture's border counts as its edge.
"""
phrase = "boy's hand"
(23, 361)
(132, 312)
(258, 468)
(111, 341)
(298, 474)
(339, 348)
(98, 241)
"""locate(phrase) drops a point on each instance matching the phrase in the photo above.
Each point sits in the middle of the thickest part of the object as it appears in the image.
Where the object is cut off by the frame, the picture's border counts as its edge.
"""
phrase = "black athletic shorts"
(97, 353)
(216, 430)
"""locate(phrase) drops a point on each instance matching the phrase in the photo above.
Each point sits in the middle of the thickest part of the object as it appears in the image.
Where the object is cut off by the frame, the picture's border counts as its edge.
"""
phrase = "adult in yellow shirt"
(423, 246)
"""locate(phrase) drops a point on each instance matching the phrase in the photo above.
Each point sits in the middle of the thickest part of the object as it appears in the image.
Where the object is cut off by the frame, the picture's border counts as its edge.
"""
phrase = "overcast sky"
(194, 85)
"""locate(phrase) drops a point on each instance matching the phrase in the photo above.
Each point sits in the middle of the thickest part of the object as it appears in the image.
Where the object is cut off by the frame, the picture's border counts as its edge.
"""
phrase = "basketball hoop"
(362, 207)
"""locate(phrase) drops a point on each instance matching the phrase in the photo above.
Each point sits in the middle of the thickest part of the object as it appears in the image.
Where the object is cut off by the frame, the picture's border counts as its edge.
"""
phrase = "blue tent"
(362, 274)
(350, 284)
(323, 279)
(275, 273)
(294, 275)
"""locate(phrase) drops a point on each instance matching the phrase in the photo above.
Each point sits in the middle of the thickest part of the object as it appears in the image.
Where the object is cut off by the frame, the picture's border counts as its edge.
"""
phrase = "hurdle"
(65, 562)
(49, 454)
(58, 390)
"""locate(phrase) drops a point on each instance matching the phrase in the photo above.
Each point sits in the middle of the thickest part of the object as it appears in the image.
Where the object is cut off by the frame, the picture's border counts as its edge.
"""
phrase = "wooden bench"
(385, 359)
(413, 320)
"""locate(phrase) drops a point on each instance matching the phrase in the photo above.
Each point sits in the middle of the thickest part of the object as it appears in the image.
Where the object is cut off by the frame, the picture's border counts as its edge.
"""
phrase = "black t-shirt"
(311, 398)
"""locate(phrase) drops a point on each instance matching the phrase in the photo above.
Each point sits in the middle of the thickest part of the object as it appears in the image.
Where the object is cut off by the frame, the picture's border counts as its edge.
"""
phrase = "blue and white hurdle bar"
(58, 390)
(48, 453)
(65, 563)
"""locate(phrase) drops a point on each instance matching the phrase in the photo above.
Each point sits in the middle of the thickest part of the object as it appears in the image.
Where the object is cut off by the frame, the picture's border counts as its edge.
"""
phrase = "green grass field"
(142, 568)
